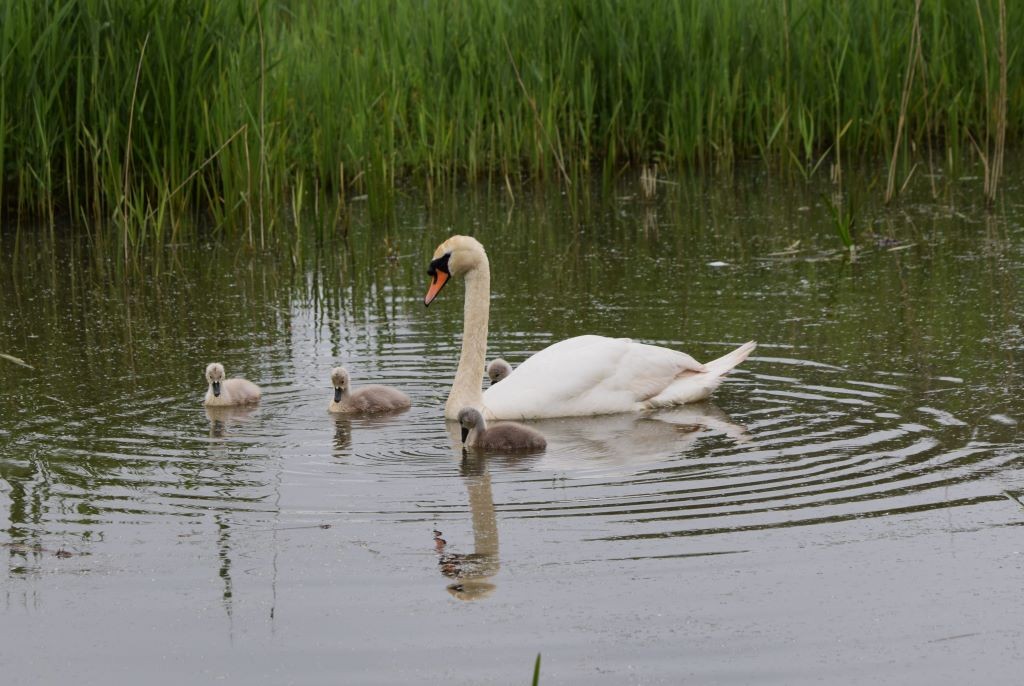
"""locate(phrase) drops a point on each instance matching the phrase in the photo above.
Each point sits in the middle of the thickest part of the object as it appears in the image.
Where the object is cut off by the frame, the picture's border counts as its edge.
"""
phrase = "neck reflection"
(471, 573)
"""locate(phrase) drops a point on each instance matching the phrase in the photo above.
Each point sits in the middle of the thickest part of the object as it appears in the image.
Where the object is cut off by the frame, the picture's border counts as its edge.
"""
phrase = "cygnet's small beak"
(337, 394)
(216, 389)
(465, 433)
(440, 279)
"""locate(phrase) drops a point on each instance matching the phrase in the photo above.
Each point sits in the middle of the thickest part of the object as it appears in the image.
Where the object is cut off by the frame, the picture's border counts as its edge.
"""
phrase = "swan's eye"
(439, 265)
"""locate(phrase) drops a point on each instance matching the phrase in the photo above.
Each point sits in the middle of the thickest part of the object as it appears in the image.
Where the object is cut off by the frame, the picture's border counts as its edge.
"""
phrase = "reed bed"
(144, 117)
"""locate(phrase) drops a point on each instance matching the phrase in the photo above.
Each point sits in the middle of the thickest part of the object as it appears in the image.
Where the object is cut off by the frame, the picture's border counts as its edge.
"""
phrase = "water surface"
(846, 510)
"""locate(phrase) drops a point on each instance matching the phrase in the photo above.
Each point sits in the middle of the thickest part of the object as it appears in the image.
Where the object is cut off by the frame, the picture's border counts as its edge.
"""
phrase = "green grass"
(146, 116)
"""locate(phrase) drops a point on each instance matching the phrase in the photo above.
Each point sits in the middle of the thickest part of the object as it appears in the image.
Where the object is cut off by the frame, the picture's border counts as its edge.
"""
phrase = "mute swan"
(224, 392)
(497, 369)
(585, 375)
(365, 399)
(506, 437)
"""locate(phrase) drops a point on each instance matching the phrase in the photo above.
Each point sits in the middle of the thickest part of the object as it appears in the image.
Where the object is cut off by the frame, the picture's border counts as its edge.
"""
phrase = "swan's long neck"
(466, 387)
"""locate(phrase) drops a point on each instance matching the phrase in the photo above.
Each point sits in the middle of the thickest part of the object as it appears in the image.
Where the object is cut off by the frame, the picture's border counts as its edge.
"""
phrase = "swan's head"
(470, 419)
(455, 257)
(497, 370)
(214, 376)
(339, 379)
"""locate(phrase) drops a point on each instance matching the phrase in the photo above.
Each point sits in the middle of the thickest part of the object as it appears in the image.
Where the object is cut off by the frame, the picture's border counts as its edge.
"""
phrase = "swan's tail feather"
(693, 387)
(726, 362)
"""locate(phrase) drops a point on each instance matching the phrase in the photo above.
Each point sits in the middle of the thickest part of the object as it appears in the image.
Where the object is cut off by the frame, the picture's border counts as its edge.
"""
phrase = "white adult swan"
(585, 375)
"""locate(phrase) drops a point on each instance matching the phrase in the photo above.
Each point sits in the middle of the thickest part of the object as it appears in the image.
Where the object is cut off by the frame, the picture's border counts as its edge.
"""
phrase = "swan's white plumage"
(585, 375)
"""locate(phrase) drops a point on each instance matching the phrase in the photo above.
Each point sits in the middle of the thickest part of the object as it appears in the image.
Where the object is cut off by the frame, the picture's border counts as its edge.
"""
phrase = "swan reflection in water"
(222, 419)
(342, 434)
(471, 573)
(347, 426)
(573, 443)
(627, 439)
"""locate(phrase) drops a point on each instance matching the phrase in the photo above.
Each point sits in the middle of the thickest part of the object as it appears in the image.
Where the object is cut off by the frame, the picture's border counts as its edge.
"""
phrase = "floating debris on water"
(16, 360)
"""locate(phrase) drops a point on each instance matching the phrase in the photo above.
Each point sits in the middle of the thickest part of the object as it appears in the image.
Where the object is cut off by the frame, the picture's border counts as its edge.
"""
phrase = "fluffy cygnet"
(365, 399)
(223, 392)
(504, 437)
(497, 370)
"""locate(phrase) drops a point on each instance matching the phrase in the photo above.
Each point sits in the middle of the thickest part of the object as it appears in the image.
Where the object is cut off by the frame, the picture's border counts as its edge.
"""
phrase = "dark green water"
(844, 512)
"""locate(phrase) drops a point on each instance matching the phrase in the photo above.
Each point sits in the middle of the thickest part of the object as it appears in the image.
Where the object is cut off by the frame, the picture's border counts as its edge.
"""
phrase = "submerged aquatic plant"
(841, 211)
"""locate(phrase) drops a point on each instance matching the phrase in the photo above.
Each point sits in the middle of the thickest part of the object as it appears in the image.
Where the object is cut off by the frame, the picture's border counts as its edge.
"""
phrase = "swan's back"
(587, 375)
(241, 391)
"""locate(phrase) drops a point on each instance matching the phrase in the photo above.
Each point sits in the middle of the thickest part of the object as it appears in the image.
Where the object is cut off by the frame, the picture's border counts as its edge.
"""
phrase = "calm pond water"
(847, 510)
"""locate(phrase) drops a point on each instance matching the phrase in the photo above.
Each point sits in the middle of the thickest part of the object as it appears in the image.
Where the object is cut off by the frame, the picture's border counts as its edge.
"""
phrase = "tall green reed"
(243, 108)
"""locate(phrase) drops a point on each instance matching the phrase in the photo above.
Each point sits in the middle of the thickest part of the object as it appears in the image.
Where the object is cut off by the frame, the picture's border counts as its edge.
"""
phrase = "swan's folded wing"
(646, 370)
(586, 375)
(557, 375)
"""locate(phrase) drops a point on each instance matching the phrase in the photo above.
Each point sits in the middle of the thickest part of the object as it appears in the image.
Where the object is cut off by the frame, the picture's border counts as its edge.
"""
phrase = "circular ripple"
(807, 443)
(818, 445)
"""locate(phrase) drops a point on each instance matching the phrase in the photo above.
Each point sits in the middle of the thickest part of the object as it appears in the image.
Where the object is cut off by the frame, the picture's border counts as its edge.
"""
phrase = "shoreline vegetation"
(148, 119)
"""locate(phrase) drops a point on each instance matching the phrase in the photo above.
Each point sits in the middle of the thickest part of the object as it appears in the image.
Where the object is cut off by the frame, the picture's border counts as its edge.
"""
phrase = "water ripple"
(798, 448)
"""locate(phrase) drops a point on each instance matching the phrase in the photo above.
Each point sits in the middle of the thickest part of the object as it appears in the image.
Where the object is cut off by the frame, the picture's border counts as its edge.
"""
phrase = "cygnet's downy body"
(497, 369)
(372, 399)
(228, 392)
(504, 437)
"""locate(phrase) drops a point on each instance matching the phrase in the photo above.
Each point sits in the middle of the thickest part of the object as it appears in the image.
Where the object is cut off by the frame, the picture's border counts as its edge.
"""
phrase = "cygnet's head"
(470, 419)
(339, 379)
(214, 376)
(497, 370)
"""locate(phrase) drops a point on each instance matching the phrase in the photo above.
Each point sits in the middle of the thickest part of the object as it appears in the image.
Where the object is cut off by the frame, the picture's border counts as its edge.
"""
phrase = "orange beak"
(440, 279)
